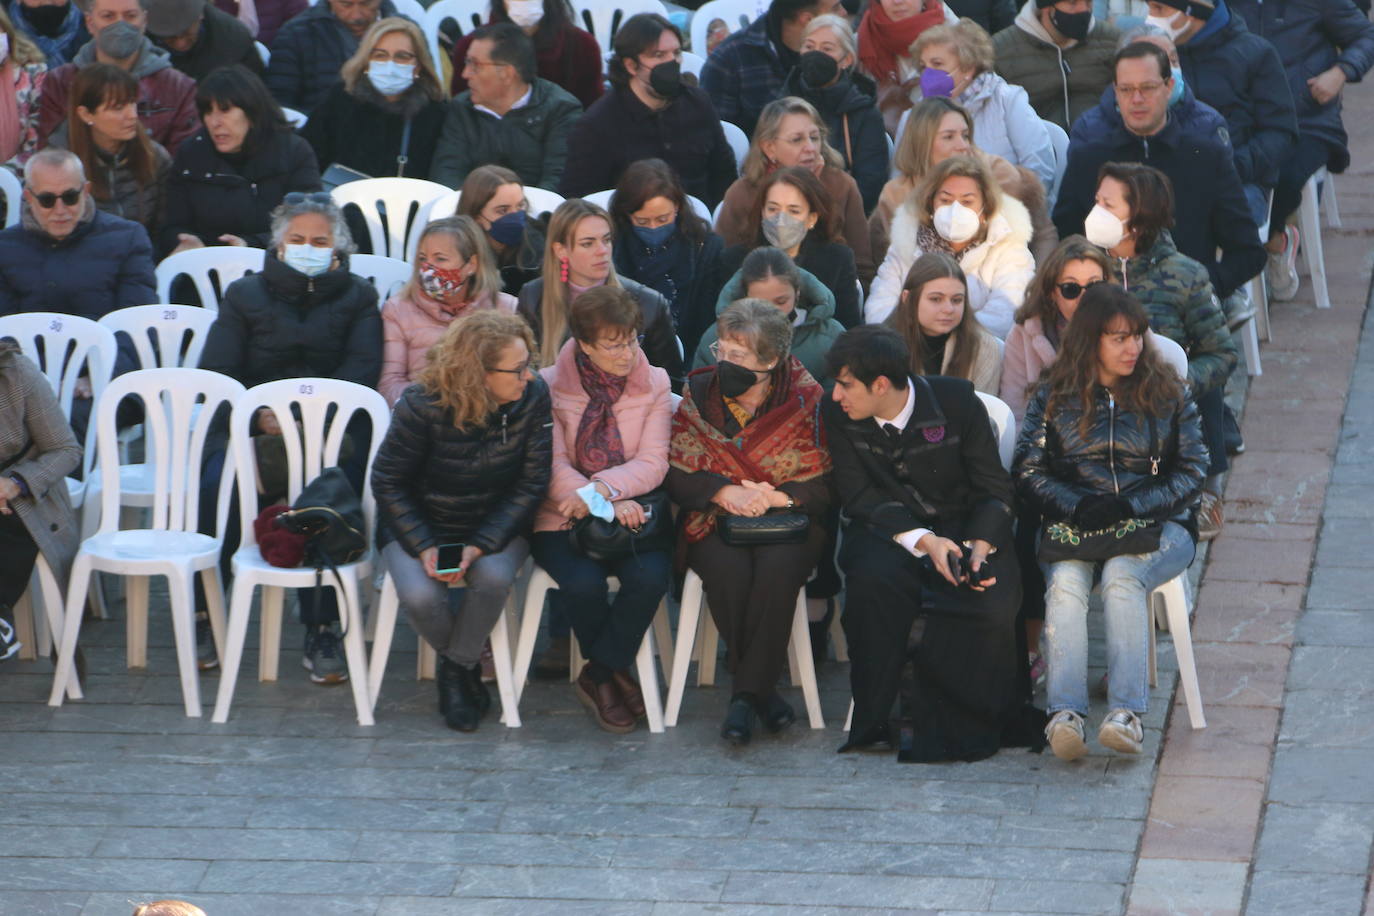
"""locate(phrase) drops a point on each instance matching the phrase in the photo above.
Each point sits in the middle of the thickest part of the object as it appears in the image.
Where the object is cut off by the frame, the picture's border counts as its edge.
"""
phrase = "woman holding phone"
(463, 468)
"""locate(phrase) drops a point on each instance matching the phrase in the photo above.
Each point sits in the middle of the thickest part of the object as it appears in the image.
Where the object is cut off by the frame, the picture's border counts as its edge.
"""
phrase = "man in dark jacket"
(746, 70)
(310, 49)
(1324, 44)
(1059, 54)
(67, 256)
(1210, 210)
(200, 37)
(928, 504)
(649, 114)
(166, 97)
(508, 116)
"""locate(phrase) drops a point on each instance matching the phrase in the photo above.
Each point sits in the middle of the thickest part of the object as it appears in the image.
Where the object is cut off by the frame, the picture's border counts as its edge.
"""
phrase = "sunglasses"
(315, 197)
(47, 200)
(1072, 290)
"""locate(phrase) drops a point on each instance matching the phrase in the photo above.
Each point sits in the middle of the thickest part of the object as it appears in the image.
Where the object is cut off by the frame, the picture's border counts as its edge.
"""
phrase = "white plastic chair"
(37, 628)
(467, 14)
(1059, 139)
(1171, 352)
(386, 274)
(264, 55)
(1310, 225)
(736, 14)
(1333, 206)
(211, 269)
(410, 9)
(295, 118)
(179, 405)
(13, 190)
(1170, 601)
(311, 401)
(738, 140)
(603, 19)
(1003, 424)
(603, 200)
(392, 208)
(692, 63)
(540, 200)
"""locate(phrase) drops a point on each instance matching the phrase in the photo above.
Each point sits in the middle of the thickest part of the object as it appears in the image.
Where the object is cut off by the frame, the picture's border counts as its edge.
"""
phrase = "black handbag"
(776, 526)
(609, 542)
(330, 515)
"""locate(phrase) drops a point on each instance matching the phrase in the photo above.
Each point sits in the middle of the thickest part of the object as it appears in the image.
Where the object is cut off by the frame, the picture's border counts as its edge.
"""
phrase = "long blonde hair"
(471, 242)
(553, 304)
(756, 164)
(426, 77)
(455, 373)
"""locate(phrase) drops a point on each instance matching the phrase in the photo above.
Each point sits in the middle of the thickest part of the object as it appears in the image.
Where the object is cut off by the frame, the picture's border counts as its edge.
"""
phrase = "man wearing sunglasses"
(66, 256)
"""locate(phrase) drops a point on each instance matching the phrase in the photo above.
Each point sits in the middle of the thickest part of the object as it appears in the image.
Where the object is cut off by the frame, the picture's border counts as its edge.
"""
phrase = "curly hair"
(455, 374)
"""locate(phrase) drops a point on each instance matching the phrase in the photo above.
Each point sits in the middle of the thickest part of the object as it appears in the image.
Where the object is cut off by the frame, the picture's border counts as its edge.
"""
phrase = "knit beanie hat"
(1198, 9)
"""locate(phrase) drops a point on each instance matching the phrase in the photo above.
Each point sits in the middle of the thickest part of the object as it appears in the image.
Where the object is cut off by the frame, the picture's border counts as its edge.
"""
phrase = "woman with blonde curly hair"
(462, 470)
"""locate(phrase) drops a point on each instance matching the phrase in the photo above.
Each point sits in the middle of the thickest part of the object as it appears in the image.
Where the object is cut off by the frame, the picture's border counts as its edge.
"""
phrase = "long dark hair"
(811, 188)
(95, 86)
(1152, 389)
(236, 86)
(649, 178)
(936, 265)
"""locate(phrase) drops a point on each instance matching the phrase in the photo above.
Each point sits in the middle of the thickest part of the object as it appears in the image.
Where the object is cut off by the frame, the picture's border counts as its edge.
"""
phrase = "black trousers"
(967, 689)
(17, 555)
(1211, 409)
(752, 592)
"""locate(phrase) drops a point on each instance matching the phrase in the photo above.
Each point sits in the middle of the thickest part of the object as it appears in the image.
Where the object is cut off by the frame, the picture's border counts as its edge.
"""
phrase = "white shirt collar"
(904, 417)
(519, 103)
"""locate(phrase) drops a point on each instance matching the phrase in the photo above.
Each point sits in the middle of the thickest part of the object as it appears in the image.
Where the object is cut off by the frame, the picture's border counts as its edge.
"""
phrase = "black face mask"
(47, 20)
(1072, 25)
(666, 79)
(735, 379)
(818, 69)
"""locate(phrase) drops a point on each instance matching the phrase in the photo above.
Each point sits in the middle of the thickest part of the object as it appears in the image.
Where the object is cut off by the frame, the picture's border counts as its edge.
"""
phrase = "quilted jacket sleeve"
(1033, 466)
(512, 516)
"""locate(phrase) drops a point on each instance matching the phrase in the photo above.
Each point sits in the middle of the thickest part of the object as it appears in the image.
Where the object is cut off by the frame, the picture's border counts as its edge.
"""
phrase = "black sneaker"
(323, 657)
(207, 659)
(9, 643)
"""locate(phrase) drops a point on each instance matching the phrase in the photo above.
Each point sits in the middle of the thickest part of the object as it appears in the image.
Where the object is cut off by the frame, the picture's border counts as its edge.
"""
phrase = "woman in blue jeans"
(1109, 436)
(612, 414)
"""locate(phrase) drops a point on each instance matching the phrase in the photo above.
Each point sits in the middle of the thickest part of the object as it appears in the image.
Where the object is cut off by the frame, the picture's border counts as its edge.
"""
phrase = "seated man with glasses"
(508, 116)
(67, 256)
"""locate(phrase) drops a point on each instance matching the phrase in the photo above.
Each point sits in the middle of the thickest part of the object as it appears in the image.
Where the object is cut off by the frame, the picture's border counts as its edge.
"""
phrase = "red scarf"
(882, 41)
(785, 442)
(598, 444)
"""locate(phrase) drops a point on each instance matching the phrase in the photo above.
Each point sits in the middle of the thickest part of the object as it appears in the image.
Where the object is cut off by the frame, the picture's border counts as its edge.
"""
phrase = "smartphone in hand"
(450, 559)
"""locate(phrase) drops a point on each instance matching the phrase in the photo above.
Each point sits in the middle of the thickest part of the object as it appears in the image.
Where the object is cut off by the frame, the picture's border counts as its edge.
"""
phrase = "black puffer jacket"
(436, 484)
(1056, 465)
(282, 324)
(842, 103)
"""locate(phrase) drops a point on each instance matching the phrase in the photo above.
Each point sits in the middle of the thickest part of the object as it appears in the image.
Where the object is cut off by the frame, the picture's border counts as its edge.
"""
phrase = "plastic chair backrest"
(322, 408)
(736, 14)
(295, 118)
(13, 190)
(211, 269)
(413, 10)
(64, 347)
(386, 274)
(264, 55)
(1059, 139)
(392, 208)
(179, 407)
(1003, 426)
(1172, 353)
(692, 63)
(739, 142)
(160, 333)
(603, 19)
(541, 201)
(466, 14)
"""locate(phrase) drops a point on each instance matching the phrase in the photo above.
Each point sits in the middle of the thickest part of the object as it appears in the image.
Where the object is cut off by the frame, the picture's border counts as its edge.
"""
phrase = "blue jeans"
(1127, 582)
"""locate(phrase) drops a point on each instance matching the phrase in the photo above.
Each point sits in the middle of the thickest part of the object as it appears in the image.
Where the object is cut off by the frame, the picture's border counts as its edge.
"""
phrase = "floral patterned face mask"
(440, 282)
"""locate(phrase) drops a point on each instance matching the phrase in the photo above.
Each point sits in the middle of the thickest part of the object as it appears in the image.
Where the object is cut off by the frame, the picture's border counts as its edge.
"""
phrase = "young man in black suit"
(927, 554)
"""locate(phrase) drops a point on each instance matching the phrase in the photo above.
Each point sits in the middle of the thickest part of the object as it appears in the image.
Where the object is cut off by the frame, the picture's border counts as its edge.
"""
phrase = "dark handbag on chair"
(330, 515)
(607, 542)
(776, 526)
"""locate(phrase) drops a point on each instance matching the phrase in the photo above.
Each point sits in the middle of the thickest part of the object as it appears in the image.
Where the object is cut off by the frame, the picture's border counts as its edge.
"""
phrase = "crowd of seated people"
(684, 344)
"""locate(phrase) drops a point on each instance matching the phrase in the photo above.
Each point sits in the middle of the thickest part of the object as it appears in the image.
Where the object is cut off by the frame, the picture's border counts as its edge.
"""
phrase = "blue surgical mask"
(308, 259)
(389, 77)
(1177, 92)
(655, 236)
(509, 229)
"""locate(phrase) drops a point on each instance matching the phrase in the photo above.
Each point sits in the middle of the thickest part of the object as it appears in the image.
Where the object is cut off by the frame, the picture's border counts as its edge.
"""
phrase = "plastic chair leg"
(1311, 227)
(849, 716)
(692, 599)
(51, 619)
(648, 682)
(25, 625)
(837, 638)
(184, 629)
(535, 592)
(802, 665)
(426, 661)
(71, 629)
(384, 612)
(214, 605)
(663, 640)
(709, 641)
(355, 647)
(1332, 206)
(1249, 337)
(240, 607)
(1259, 295)
(269, 632)
(136, 620)
(1176, 603)
(505, 676)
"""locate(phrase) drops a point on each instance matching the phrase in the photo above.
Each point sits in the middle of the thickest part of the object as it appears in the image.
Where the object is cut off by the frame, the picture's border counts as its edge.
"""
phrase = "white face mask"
(389, 77)
(308, 259)
(1102, 227)
(955, 222)
(1168, 26)
(525, 13)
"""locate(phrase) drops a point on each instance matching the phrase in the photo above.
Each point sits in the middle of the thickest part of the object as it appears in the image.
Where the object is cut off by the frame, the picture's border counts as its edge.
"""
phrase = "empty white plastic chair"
(388, 275)
(603, 18)
(323, 408)
(14, 192)
(736, 14)
(466, 14)
(179, 405)
(392, 209)
(211, 269)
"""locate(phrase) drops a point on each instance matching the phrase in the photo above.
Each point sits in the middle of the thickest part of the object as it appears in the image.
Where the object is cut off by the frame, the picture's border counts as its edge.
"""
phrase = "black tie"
(894, 435)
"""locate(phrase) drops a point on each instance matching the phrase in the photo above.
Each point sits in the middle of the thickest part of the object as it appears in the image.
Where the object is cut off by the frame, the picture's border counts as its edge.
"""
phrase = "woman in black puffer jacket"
(458, 478)
(1110, 437)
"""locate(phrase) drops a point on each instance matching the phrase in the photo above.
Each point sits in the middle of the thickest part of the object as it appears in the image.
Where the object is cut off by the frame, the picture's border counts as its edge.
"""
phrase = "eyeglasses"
(719, 354)
(529, 365)
(400, 57)
(1144, 89)
(621, 349)
(47, 200)
(1072, 290)
(314, 197)
(476, 64)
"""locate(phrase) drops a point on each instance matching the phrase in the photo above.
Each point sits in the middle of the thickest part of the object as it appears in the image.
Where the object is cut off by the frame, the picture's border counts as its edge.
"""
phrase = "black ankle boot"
(738, 727)
(458, 694)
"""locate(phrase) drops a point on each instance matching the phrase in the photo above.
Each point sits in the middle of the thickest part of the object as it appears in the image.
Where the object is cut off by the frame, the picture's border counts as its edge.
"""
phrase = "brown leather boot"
(629, 692)
(604, 703)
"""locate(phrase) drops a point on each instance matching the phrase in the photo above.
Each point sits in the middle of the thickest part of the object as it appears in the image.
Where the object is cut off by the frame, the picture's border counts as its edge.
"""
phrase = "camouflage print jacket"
(1177, 293)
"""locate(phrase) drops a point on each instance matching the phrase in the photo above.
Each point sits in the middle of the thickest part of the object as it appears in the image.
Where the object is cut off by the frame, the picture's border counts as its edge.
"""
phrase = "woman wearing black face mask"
(649, 113)
(493, 196)
(666, 246)
(826, 78)
(746, 441)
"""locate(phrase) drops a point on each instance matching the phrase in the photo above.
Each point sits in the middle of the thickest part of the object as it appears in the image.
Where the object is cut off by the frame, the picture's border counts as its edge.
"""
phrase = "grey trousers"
(457, 634)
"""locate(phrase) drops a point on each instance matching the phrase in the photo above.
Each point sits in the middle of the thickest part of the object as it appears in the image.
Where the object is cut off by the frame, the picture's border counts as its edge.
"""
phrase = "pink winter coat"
(644, 413)
(1027, 352)
(411, 326)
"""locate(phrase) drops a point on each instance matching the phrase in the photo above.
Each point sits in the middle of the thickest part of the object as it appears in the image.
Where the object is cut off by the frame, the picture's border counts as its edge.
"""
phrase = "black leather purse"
(609, 542)
(330, 515)
(776, 526)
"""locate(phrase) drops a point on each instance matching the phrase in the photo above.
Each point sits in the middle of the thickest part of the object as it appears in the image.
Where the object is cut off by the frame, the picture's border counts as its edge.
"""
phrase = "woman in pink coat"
(455, 274)
(612, 413)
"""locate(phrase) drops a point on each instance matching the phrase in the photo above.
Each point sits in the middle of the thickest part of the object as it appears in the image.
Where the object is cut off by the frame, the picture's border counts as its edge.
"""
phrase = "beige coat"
(987, 360)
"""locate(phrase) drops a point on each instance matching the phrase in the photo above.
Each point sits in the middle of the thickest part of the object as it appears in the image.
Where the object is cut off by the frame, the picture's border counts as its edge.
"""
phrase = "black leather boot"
(459, 688)
(738, 727)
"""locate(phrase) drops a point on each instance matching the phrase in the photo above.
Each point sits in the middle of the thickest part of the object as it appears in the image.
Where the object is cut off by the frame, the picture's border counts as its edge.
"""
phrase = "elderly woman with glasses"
(612, 412)
(303, 316)
(457, 479)
(747, 441)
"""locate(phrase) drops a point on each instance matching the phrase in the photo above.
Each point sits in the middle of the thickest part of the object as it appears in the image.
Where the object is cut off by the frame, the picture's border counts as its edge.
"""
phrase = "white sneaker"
(1282, 270)
(1121, 731)
(9, 644)
(1065, 734)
